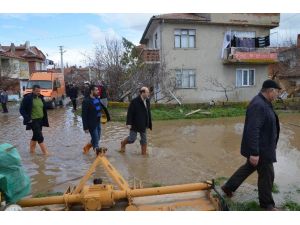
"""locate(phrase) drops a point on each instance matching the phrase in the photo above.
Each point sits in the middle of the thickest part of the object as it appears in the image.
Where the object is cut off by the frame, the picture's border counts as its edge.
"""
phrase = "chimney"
(12, 47)
(298, 41)
(27, 44)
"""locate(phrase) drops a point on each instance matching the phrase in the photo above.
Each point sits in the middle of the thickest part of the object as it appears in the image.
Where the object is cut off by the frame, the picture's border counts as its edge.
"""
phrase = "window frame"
(189, 75)
(248, 77)
(179, 33)
(155, 41)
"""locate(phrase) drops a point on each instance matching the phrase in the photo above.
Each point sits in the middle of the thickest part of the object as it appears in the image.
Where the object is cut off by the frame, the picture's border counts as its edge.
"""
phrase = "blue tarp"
(14, 182)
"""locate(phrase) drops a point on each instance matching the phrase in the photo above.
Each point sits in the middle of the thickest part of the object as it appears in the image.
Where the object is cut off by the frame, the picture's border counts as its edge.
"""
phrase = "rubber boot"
(86, 148)
(44, 148)
(32, 146)
(144, 149)
(123, 145)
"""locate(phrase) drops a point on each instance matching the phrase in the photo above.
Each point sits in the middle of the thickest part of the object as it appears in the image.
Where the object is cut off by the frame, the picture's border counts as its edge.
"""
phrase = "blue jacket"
(89, 115)
(261, 130)
(3, 97)
(26, 109)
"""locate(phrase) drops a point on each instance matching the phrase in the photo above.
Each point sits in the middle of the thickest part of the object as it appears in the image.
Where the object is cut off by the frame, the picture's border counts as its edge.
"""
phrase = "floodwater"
(180, 151)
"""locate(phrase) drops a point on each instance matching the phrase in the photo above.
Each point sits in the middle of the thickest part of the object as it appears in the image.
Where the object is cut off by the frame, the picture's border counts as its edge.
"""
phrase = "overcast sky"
(78, 33)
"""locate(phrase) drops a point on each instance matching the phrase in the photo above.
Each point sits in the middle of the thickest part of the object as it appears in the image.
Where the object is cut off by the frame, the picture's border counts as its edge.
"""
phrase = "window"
(185, 38)
(56, 83)
(185, 78)
(245, 77)
(155, 41)
(42, 83)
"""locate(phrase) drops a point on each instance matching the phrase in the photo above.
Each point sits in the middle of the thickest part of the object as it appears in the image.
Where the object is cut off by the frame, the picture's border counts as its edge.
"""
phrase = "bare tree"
(120, 64)
(219, 86)
(106, 62)
(6, 69)
(153, 75)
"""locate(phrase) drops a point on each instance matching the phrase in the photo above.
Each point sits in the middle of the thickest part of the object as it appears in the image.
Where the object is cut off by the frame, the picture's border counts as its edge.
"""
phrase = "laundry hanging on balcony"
(261, 42)
(226, 42)
(242, 42)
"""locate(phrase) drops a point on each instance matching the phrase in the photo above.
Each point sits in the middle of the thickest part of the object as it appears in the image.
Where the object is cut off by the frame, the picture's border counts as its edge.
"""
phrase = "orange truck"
(52, 87)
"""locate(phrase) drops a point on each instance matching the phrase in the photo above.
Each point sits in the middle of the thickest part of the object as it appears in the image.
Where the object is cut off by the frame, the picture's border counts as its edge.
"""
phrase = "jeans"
(95, 135)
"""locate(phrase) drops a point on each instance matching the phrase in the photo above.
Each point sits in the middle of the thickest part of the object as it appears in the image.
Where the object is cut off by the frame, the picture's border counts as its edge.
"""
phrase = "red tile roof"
(20, 52)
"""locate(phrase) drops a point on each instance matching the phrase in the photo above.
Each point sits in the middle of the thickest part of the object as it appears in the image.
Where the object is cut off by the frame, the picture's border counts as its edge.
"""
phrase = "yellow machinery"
(194, 196)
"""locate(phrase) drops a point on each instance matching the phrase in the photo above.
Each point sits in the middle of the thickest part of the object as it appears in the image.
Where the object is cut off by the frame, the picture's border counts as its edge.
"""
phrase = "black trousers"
(74, 103)
(36, 127)
(4, 107)
(265, 181)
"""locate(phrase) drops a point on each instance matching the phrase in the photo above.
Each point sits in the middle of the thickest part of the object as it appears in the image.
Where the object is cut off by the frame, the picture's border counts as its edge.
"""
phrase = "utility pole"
(61, 58)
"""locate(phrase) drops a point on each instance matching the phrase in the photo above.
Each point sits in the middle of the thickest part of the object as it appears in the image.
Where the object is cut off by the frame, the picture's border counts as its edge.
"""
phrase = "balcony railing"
(250, 55)
(150, 55)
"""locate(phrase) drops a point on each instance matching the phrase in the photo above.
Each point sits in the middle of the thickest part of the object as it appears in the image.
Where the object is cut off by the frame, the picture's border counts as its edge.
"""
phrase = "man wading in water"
(260, 137)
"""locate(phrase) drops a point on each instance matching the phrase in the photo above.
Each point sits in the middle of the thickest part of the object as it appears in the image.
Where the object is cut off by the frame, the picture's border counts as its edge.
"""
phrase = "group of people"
(72, 91)
(138, 119)
(259, 141)
(4, 100)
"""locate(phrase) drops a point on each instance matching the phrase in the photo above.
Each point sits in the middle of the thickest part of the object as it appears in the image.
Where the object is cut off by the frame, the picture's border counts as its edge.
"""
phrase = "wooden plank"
(192, 112)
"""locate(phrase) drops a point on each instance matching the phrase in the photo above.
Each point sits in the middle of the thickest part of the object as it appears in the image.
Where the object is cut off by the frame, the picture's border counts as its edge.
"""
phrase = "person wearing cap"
(259, 142)
(138, 120)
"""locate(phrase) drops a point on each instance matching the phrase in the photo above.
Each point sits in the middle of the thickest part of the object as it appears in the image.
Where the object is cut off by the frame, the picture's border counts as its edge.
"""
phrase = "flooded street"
(180, 151)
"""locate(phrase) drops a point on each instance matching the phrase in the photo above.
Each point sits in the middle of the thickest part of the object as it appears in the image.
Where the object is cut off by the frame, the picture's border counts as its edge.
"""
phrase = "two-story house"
(18, 62)
(210, 53)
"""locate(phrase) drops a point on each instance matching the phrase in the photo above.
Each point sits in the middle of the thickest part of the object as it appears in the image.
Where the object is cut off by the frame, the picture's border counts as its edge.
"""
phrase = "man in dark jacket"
(138, 120)
(4, 100)
(91, 115)
(33, 110)
(259, 142)
(73, 94)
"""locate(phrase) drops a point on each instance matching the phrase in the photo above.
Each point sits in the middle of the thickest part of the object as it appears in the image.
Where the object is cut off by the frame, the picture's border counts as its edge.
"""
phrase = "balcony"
(243, 55)
(150, 55)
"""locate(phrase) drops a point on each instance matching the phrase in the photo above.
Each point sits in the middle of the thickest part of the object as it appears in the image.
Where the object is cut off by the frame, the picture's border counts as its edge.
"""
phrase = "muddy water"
(179, 151)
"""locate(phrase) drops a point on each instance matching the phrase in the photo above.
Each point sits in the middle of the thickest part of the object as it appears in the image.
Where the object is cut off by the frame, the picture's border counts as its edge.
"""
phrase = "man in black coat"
(138, 120)
(259, 142)
(91, 115)
(34, 112)
(73, 94)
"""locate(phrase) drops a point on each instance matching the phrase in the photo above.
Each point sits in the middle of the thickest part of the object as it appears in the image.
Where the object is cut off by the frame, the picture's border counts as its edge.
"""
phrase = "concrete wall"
(258, 19)
(150, 43)
(206, 60)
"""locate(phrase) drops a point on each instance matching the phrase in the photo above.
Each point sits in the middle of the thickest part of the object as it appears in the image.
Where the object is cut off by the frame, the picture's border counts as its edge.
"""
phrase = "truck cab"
(52, 87)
